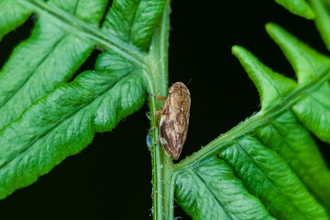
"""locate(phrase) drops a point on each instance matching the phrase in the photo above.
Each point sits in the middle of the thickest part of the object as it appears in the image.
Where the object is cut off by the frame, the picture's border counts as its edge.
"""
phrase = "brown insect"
(174, 120)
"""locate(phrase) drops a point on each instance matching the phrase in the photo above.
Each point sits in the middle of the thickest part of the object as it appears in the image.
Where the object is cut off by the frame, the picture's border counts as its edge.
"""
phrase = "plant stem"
(158, 83)
(259, 119)
(155, 68)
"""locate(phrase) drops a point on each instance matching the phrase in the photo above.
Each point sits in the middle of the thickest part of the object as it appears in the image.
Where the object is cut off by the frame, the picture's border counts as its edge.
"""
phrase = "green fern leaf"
(51, 39)
(209, 190)
(322, 19)
(268, 167)
(63, 123)
(12, 16)
(297, 7)
(273, 153)
(55, 119)
(134, 21)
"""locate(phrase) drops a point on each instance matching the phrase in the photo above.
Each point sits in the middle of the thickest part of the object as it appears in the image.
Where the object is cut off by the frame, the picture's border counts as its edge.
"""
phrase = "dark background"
(111, 178)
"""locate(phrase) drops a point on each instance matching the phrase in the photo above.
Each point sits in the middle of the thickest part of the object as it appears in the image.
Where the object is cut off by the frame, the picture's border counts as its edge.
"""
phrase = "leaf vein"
(65, 119)
(195, 172)
(266, 177)
(37, 66)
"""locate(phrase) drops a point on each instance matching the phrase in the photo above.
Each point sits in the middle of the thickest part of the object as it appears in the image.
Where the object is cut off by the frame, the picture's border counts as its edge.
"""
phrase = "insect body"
(174, 120)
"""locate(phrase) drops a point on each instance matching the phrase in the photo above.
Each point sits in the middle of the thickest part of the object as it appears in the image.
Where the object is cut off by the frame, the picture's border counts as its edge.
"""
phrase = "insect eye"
(170, 90)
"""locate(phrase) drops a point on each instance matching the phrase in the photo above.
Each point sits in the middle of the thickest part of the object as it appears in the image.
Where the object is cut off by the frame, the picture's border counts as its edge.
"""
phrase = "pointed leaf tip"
(12, 15)
(297, 7)
(272, 86)
(306, 62)
(322, 19)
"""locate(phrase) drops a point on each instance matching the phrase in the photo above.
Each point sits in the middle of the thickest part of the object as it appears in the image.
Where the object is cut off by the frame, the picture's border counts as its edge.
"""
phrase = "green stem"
(155, 65)
(158, 84)
(257, 120)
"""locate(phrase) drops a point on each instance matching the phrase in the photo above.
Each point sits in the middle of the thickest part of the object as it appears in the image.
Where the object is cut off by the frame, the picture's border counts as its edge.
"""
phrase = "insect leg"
(156, 119)
(156, 122)
(157, 142)
(158, 97)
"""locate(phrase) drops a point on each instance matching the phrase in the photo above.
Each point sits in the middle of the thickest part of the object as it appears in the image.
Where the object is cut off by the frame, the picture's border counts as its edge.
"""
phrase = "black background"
(111, 178)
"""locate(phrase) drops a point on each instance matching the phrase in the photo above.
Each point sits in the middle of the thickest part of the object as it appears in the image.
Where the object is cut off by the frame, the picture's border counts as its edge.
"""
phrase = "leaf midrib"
(299, 93)
(76, 7)
(130, 31)
(320, 103)
(32, 72)
(107, 40)
(195, 172)
(267, 178)
(96, 96)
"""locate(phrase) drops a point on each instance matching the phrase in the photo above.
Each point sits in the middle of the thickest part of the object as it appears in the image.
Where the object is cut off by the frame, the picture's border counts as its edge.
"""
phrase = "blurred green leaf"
(297, 7)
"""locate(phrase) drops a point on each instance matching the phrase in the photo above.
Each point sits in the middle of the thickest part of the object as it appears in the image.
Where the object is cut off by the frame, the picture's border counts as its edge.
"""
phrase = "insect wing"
(170, 139)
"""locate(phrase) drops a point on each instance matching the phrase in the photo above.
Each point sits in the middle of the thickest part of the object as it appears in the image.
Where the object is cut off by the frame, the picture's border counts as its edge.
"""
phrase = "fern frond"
(273, 152)
(55, 119)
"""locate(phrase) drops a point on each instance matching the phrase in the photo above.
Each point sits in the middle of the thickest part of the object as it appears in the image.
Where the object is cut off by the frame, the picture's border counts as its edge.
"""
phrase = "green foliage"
(269, 178)
(322, 18)
(209, 189)
(268, 167)
(44, 119)
(297, 7)
(12, 16)
(273, 152)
